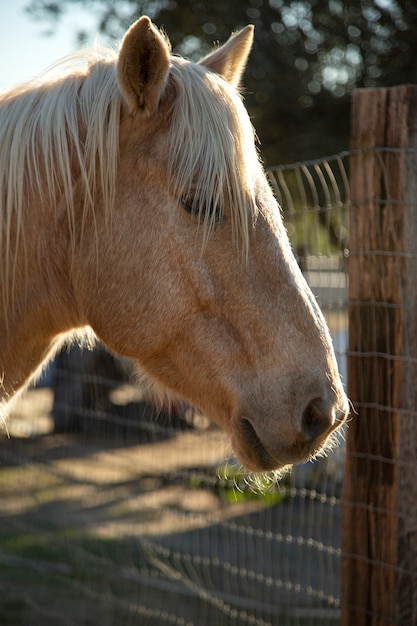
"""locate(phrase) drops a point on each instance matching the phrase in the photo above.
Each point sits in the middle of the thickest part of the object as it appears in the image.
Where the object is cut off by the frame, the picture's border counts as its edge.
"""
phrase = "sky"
(25, 50)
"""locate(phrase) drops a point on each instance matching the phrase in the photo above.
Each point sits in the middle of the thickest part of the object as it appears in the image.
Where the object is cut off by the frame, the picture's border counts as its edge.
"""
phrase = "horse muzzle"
(263, 444)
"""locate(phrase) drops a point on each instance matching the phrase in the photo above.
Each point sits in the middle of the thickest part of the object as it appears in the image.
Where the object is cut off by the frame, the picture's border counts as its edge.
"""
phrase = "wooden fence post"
(379, 568)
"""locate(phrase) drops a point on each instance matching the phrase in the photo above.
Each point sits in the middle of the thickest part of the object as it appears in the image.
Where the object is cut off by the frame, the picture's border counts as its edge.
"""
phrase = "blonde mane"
(48, 128)
(68, 120)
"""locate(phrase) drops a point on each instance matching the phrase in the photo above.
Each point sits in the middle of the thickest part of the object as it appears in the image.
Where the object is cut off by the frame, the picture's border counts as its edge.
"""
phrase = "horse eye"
(189, 207)
(192, 208)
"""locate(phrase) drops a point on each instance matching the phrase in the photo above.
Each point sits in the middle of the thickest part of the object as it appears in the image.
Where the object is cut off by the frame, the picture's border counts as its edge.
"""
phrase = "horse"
(134, 206)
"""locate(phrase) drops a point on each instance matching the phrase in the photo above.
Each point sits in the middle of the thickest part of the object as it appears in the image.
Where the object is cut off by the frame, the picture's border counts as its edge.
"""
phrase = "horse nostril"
(316, 420)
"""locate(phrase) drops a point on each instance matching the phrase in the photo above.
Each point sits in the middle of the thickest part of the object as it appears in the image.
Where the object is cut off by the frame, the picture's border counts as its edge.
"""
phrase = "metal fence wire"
(111, 514)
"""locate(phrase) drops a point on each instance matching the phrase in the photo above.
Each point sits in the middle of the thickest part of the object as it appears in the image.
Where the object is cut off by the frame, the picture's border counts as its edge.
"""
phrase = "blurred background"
(308, 56)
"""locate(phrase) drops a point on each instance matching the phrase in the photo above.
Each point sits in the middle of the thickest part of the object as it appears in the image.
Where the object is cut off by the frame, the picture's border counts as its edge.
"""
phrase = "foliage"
(232, 484)
(307, 58)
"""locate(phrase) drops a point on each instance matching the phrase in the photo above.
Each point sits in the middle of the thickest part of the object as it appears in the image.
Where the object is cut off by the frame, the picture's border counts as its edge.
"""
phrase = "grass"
(233, 485)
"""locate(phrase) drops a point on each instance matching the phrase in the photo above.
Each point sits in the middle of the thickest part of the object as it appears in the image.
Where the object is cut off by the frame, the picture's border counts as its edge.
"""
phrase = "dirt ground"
(118, 530)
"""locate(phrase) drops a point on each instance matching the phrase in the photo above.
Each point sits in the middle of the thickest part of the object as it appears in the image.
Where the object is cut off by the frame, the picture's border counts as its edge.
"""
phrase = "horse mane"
(69, 115)
(70, 118)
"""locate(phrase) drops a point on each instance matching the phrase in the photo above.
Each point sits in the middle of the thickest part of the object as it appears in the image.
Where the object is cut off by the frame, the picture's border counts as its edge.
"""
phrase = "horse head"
(134, 202)
(197, 281)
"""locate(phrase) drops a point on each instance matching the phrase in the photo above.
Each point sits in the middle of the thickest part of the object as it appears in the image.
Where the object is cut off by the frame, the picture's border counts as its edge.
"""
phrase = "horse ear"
(230, 59)
(143, 66)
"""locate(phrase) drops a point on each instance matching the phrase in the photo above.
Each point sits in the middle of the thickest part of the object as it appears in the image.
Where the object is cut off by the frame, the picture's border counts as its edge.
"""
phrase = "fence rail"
(380, 489)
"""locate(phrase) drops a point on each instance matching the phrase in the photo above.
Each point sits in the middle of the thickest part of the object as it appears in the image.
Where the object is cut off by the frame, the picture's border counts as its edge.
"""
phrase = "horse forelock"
(213, 159)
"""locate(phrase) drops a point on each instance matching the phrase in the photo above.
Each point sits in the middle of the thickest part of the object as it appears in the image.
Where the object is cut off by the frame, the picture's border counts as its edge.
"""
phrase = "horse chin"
(257, 457)
(250, 450)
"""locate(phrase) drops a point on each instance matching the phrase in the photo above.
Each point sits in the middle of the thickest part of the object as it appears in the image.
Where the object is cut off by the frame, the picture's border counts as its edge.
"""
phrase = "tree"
(308, 56)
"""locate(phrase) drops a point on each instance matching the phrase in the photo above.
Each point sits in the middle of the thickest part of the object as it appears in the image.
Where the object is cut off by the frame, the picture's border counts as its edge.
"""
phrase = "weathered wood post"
(380, 485)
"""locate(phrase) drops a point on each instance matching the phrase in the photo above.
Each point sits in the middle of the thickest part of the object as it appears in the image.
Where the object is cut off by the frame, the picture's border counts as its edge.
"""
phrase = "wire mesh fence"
(114, 514)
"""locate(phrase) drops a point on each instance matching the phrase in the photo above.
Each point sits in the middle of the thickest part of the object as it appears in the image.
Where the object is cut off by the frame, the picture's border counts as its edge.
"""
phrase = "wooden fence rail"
(380, 485)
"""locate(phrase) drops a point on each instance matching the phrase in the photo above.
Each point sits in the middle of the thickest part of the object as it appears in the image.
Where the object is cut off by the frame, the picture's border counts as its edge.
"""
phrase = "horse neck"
(22, 355)
(41, 207)
(39, 304)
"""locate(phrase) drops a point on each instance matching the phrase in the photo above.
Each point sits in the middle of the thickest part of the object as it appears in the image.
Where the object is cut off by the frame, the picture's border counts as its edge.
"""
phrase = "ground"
(118, 530)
